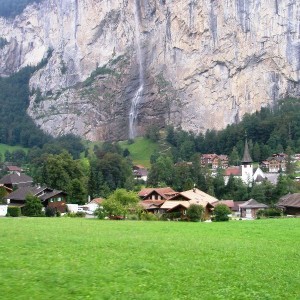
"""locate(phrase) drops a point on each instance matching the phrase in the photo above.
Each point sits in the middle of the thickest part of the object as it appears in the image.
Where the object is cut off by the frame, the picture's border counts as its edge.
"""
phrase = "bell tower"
(247, 167)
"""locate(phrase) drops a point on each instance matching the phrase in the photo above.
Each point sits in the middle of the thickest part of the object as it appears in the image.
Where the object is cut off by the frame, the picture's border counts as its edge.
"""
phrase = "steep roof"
(151, 204)
(246, 158)
(16, 178)
(253, 204)
(169, 205)
(196, 196)
(165, 192)
(21, 193)
(290, 200)
(43, 193)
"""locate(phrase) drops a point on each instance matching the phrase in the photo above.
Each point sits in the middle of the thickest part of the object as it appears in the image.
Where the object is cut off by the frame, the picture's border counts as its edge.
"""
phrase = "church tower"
(247, 167)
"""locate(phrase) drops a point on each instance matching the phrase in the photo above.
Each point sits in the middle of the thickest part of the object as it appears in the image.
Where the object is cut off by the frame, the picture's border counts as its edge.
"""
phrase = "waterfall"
(139, 93)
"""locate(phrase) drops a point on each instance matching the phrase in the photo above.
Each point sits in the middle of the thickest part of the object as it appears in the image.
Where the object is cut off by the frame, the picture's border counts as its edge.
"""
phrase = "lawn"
(140, 151)
(64, 258)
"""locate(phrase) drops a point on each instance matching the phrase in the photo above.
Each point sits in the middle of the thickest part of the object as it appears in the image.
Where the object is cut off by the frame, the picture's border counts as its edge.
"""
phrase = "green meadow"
(4, 148)
(141, 150)
(66, 258)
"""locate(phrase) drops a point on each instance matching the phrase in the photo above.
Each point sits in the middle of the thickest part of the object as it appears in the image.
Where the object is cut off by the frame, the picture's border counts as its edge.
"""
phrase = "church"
(246, 172)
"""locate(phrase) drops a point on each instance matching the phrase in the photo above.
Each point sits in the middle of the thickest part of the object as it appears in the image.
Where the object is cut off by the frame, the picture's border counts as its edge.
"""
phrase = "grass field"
(4, 147)
(140, 151)
(91, 259)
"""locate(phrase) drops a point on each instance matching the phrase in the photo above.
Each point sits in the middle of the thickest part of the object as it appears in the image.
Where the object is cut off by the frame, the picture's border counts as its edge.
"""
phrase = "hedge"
(14, 211)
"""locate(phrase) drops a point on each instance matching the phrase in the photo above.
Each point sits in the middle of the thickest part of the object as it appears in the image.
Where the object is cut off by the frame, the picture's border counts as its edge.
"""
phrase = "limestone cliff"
(118, 64)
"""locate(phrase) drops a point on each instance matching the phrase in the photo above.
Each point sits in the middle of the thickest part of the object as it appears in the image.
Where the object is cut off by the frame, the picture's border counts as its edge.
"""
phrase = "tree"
(3, 193)
(152, 133)
(221, 213)
(161, 171)
(77, 191)
(121, 202)
(195, 212)
(33, 206)
(256, 152)
(234, 158)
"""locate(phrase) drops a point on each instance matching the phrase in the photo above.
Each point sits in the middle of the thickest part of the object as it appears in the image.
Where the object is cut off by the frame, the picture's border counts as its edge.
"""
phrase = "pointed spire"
(246, 158)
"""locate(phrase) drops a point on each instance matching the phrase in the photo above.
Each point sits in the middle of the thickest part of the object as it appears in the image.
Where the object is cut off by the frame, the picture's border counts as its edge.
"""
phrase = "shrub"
(33, 206)
(14, 211)
(133, 217)
(148, 217)
(58, 213)
(100, 213)
(221, 213)
(80, 214)
(50, 212)
(269, 213)
(194, 213)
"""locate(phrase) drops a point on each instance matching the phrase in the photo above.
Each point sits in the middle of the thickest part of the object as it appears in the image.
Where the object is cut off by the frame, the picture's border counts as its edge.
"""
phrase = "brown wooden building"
(290, 204)
(49, 197)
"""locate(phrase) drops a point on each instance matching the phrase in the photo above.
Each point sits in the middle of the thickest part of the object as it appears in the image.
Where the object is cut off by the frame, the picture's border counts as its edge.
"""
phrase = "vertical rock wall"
(206, 62)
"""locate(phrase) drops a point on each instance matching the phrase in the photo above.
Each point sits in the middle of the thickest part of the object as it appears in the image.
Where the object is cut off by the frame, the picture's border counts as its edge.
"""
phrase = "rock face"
(202, 63)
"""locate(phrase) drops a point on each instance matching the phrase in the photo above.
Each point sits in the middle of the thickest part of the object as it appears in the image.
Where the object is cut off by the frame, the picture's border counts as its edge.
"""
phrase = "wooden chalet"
(290, 204)
(196, 196)
(214, 161)
(157, 193)
(16, 179)
(49, 197)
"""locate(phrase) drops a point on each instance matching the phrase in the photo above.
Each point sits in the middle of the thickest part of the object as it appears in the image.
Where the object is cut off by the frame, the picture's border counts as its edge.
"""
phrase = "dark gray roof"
(253, 204)
(290, 200)
(246, 158)
(16, 179)
(43, 193)
(21, 193)
(51, 194)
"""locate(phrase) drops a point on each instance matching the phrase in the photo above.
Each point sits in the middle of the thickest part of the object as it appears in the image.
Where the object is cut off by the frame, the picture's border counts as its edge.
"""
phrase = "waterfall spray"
(139, 93)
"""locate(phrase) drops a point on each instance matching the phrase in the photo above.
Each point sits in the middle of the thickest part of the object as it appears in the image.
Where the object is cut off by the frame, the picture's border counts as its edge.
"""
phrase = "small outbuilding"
(250, 208)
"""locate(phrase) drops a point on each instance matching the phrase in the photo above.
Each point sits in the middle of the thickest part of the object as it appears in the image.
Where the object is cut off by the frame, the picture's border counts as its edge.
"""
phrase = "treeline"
(98, 174)
(12, 8)
(16, 127)
(271, 130)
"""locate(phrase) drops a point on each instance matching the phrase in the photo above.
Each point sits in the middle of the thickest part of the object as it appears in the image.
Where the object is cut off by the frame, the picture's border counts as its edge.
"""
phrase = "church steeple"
(247, 167)
(246, 158)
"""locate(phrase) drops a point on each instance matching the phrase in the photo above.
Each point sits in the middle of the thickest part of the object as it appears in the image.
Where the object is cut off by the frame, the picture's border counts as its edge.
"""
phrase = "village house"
(214, 161)
(49, 197)
(195, 196)
(15, 180)
(276, 163)
(290, 204)
(250, 208)
(13, 169)
(140, 172)
(157, 193)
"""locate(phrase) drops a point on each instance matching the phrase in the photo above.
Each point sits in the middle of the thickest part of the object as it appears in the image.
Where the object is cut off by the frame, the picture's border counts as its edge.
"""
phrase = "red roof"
(14, 169)
(228, 203)
(97, 201)
(235, 171)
